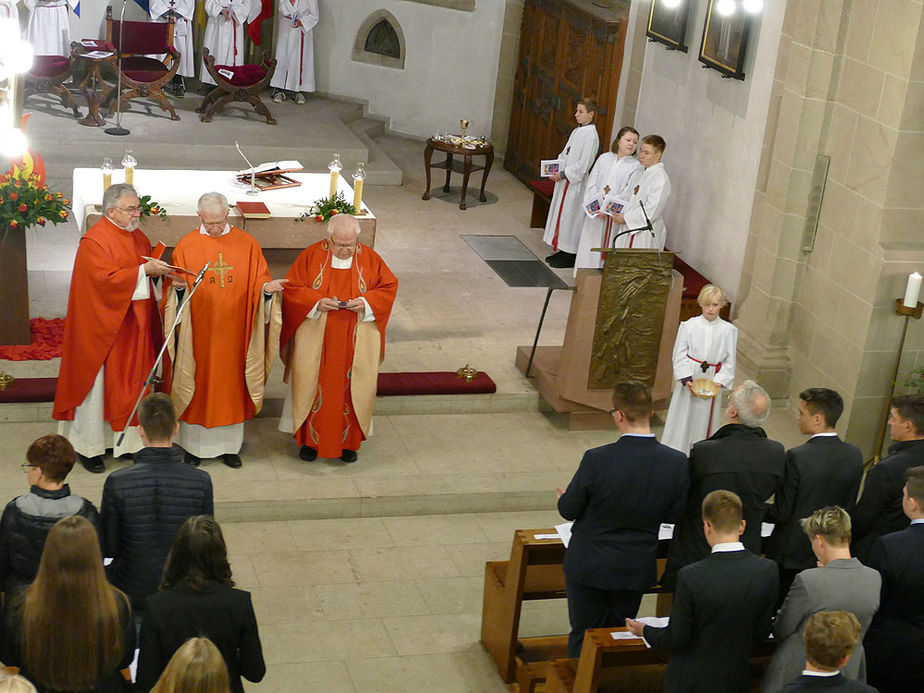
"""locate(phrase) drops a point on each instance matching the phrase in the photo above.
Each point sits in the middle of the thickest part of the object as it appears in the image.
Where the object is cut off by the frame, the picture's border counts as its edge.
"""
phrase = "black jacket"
(24, 525)
(824, 471)
(143, 507)
(879, 510)
(736, 458)
(807, 684)
(222, 614)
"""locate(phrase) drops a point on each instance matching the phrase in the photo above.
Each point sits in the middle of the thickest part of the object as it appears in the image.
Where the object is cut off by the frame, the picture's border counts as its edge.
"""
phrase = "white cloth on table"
(184, 10)
(566, 213)
(610, 175)
(691, 419)
(295, 45)
(225, 37)
(48, 29)
(652, 188)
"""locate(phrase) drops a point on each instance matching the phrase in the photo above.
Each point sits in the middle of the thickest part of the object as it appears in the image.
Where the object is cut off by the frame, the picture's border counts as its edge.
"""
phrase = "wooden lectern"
(621, 326)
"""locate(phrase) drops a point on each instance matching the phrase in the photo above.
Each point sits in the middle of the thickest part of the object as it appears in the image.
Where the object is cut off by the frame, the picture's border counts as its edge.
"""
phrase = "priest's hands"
(326, 305)
(275, 286)
(356, 306)
(156, 268)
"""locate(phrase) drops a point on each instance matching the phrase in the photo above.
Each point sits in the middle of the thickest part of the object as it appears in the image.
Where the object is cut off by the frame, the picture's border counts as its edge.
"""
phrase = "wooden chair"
(144, 76)
(237, 83)
(542, 200)
(47, 74)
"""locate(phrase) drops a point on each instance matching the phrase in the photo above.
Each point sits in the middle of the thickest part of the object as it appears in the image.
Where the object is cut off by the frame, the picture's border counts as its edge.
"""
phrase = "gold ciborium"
(6, 380)
(464, 125)
(467, 373)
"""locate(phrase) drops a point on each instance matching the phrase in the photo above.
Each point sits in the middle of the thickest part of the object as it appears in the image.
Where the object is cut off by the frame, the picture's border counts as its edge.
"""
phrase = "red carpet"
(47, 336)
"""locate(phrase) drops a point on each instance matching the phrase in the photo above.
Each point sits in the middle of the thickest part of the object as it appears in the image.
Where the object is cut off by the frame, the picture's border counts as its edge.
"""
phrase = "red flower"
(59, 195)
(49, 197)
(62, 214)
(66, 201)
(333, 212)
(14, 224)
(22, 208)
(319, 218)
(17, 183)
(155, 210)
(14, 196)
(40, 221)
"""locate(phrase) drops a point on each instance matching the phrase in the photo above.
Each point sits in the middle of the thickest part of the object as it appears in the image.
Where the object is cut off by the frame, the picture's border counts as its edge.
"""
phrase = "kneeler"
(237, 83)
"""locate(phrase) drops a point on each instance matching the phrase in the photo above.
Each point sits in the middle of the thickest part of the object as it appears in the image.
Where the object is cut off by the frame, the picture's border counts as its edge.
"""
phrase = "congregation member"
(145, 504)
(112, 332)
(879, 509)
(70, 630)
(722, 606)
(48, 28)
(824, 471)
(226, 341)
(647, 192)
(839, 583)
(183, 11)
(27, 519)
(197, 598)
(195, 667)
(618, 498)
(295, 50)
(830, 639)
(608, 179)
(738, 457)
(705, 347)
(566, 211)
(224, 32)
(895, 639)
(334, 312)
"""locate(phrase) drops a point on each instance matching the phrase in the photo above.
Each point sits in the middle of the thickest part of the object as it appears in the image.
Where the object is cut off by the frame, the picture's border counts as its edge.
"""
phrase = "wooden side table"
(486, 150)
(94, 89)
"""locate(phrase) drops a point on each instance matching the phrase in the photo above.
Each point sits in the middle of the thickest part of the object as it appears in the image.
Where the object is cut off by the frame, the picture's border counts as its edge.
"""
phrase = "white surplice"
(566, 213)
(610, 175)
(295, 45)
(691, 419)
(184, 10)
(225, 37)
(48, 30)
(8, 10)
(650, 187)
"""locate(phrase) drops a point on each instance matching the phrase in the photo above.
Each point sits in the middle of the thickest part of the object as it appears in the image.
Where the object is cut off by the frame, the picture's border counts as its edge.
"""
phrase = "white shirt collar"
(728, 546)
(806, 672)
(340, 263)
(825, 434)
(638, 435)
(919, 521)
(206, 233)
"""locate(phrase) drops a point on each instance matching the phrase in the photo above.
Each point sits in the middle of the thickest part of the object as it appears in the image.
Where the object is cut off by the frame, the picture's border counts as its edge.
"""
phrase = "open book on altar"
(271, 175)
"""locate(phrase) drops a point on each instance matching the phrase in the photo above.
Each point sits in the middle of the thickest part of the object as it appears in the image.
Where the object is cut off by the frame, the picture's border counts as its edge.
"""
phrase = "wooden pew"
(627, 665)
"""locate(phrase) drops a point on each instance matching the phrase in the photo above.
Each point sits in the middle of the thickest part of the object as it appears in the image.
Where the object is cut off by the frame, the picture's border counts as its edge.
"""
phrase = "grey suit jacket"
(842, 585)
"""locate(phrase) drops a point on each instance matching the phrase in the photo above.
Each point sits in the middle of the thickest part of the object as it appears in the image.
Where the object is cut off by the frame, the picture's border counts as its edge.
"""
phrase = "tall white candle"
(912, 290)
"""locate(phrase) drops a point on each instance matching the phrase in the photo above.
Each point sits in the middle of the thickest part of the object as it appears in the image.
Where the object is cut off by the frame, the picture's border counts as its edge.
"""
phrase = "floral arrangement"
(327, 207)
(26, 201)
(151, 208)
(915, 380)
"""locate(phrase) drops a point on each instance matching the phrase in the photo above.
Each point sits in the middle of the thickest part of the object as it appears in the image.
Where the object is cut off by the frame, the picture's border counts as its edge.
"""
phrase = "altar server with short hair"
(648, 193)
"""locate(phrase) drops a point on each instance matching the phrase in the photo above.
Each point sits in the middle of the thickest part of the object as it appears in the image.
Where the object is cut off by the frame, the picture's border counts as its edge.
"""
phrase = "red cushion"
(49, 65)
(242, 75)
(143, 69)
(543, 186)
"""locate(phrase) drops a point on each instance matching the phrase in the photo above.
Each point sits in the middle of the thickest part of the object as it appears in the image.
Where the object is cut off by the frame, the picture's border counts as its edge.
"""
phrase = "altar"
(179, 190)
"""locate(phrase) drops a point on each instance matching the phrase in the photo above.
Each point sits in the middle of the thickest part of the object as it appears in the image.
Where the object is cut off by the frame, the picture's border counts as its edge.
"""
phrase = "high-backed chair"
(237, 83)
(143, 75)
(47, 74)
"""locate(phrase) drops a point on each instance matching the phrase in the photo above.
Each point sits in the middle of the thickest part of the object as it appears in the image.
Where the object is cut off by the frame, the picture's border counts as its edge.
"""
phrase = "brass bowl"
(6, 380)
(703, 388)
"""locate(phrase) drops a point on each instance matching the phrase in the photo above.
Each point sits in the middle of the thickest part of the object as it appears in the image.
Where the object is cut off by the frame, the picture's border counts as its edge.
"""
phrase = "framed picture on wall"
(667, 23)
(725, 39)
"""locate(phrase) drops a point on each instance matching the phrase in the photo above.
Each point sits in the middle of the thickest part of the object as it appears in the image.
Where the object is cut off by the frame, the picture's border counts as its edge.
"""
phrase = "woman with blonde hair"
(197, 667)
(70, 629)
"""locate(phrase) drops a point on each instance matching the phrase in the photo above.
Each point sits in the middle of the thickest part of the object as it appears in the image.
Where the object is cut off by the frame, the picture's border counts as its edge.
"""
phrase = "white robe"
(8, 10)
(182, 30)
(224, 38)
(609, 176)
(566, 214)
(48, 30)
(691, 419)
(651, 187)
(295, 45)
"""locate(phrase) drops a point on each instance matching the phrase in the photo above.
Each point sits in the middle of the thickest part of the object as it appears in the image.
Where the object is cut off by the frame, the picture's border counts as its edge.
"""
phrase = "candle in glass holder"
(358, 178)
(106, 169)
(335, 167)
(128, 163)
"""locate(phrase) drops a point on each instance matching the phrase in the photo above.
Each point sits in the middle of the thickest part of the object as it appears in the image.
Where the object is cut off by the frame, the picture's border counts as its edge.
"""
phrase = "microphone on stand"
(647, 220)
(253, 172)
(118, 129)
(200, 275)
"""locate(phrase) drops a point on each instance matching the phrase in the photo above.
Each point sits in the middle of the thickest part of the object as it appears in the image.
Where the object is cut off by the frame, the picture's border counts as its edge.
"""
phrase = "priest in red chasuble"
(335, 309)
(112, 332)
(227, 337)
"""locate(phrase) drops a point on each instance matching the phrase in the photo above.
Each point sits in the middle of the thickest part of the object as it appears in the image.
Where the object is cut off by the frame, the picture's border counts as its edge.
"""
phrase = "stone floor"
(368, 577)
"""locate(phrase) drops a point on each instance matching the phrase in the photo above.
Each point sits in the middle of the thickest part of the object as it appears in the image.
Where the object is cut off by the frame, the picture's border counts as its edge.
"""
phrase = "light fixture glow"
(14, 143)
(753, 6)
(18, 56)
(671, 4)
(726, 8)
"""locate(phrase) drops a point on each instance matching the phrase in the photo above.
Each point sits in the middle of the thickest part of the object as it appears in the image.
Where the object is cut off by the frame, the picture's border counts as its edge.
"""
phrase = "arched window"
(380, 41)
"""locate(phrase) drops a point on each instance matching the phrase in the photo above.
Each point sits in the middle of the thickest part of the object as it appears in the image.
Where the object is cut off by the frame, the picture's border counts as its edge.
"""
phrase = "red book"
(253, 209)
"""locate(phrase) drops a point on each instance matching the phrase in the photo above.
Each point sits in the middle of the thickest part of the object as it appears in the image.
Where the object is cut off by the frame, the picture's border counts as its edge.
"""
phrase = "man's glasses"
(130, 210)
(25, 466)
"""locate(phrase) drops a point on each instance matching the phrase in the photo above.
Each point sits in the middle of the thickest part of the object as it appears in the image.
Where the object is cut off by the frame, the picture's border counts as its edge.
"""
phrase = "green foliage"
(325, 208)
(25, 201)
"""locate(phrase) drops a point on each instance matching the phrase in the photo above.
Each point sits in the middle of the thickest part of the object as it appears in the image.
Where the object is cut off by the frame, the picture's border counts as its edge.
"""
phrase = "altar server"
(705, 348)
(648, 193)
(8, 10)
(295, 49)
(48, 30)
(608, 178)
(566, 213)
(183, 11)
(224, 33)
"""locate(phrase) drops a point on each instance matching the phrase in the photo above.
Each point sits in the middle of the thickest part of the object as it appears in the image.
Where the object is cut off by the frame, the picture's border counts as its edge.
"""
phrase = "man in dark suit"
(722, 605)
(895, 641)
(830, 637)
(738, 457)
(618, 498)
(823, 472)
(879, 510)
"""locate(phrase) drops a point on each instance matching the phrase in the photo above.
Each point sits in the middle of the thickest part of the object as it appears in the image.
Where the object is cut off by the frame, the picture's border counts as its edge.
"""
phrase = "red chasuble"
(104, 327)
(332, 363)
(210, 389)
